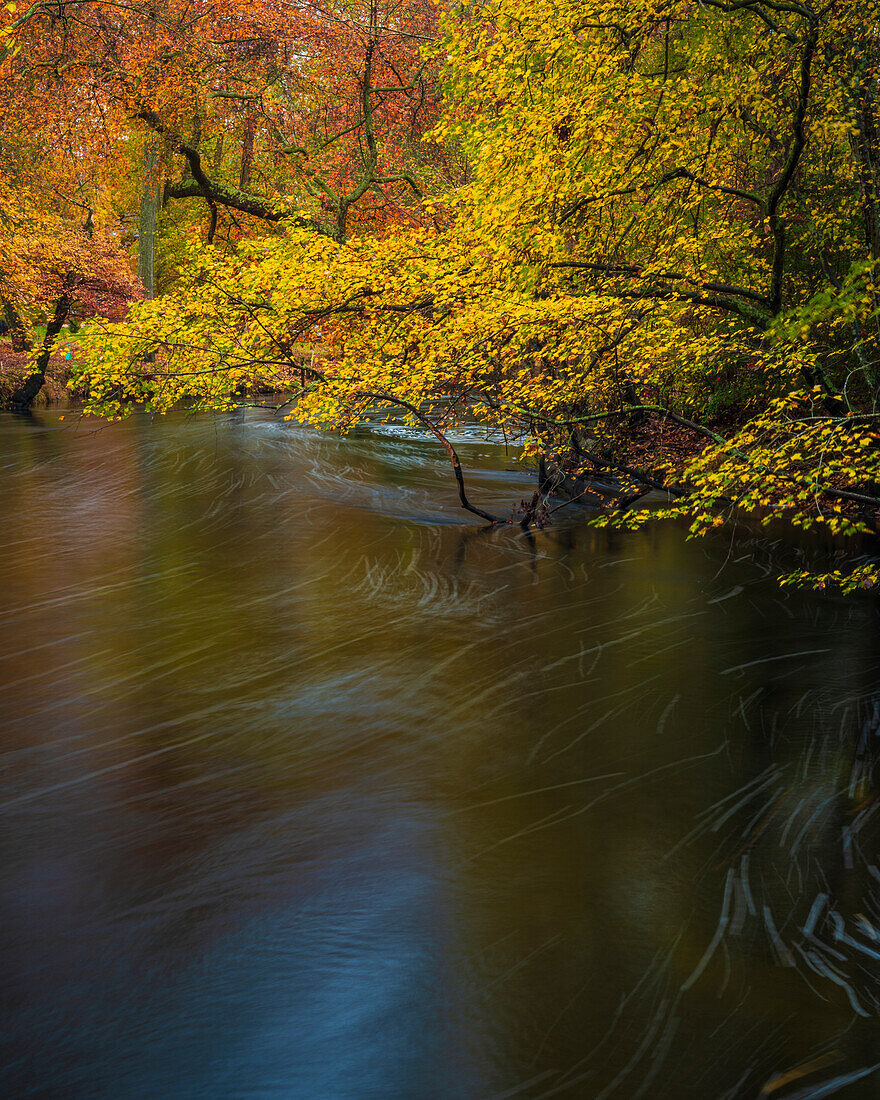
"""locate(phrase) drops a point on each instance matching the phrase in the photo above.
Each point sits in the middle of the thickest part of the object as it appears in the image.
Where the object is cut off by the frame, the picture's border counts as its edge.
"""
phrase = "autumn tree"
(667, 204)
(52, 273)
(299, 113)
(259, 114)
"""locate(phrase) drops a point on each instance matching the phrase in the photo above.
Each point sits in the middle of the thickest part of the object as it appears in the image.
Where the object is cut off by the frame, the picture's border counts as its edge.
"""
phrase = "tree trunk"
(865, 143)
(147, 220)
(23, 397)
(247, 148)
(218, 156)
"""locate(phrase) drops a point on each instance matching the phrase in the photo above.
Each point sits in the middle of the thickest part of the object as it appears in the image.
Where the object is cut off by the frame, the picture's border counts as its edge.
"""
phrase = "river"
(313, 789)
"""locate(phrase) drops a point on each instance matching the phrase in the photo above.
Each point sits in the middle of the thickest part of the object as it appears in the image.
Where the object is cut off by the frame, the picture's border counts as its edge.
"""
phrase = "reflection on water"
(310, 790)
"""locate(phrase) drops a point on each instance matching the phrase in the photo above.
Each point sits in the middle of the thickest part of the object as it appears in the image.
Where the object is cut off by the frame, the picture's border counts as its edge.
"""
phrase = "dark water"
(312, 790)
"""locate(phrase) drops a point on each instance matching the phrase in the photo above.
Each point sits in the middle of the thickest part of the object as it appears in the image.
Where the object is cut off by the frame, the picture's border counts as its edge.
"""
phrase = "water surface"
(312, 789)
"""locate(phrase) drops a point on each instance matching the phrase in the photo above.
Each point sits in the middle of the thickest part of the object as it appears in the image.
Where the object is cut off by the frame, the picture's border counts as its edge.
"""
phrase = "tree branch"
(450, 450)
(200, 185)
(799, 141)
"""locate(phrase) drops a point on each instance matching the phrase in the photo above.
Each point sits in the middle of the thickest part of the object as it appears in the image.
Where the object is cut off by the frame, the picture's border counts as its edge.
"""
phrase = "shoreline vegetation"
(645, 239)
(627, 485)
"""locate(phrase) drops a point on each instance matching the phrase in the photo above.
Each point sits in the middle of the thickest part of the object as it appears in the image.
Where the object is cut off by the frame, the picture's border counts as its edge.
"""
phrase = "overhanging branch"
(200, 185)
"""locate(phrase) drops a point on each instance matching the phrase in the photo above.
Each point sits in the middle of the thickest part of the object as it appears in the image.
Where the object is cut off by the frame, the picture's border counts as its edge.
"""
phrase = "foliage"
(44, 254)
(652, 210)
(314, 112)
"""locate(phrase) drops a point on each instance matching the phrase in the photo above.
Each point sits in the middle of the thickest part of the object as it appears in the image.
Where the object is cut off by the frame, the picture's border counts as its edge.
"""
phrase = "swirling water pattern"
(312, 789)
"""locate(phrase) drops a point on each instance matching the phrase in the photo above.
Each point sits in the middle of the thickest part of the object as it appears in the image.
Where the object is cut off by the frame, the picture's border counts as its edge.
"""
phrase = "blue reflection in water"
(330, 991)
(301, 958)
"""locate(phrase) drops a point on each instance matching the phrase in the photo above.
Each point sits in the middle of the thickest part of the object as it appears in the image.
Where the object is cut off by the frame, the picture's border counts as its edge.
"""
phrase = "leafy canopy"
(665, 207)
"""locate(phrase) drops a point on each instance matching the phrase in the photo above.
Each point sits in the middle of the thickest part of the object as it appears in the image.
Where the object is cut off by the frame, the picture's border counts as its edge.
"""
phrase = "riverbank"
(15, 369)
(638, 463)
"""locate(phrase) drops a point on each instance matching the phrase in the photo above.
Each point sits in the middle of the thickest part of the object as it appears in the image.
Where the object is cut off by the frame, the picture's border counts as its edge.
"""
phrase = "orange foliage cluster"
(252, 111)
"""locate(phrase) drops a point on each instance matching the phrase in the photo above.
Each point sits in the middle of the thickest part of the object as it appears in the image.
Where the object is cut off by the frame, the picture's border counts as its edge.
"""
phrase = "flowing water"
(313, 789)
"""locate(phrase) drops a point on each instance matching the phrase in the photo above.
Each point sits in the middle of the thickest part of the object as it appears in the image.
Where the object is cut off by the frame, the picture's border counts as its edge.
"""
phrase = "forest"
(641, 238)
(439, 639)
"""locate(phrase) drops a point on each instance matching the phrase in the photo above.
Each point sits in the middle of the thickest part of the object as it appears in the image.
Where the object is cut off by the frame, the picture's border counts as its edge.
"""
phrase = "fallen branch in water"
(450, 450)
